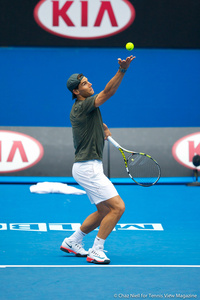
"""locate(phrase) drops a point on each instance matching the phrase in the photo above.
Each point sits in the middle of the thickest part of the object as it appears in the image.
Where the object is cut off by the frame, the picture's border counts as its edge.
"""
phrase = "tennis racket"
(142, 168)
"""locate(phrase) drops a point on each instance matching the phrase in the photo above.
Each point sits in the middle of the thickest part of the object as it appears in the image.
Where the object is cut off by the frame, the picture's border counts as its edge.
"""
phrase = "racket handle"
(113, 142)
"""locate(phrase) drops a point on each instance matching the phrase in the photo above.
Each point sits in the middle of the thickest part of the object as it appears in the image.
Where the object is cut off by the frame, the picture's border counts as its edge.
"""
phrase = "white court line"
(99, 266)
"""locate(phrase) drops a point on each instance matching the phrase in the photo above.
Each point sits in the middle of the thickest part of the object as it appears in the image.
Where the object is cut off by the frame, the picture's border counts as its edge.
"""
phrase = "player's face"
(85, 89)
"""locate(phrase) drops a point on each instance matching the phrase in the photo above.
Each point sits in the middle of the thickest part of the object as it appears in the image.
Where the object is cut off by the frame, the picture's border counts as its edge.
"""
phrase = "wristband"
(122, 70)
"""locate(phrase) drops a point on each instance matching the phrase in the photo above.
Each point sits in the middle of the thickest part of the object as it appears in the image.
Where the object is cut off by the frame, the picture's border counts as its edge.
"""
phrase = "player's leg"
(116, 209)
(107, 215)
(94, 220)
(99, 188)
(73, 244)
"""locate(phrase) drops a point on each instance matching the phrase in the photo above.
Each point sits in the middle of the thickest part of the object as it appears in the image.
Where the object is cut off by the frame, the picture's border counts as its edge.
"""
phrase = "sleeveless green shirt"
(87, 129)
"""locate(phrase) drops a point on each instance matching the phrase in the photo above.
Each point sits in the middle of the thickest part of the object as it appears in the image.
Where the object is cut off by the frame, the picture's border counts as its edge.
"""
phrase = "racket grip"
(112, 141)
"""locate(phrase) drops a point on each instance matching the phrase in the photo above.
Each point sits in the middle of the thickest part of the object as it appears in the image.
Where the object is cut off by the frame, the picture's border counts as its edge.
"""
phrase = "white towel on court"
(55, 187)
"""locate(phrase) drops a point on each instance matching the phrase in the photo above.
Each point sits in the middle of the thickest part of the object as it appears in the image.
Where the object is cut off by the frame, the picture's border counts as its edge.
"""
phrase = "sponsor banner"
(49, 151)
(84, 20)
(44, 227)
(18, 151)
(186, 148)
(100, 23)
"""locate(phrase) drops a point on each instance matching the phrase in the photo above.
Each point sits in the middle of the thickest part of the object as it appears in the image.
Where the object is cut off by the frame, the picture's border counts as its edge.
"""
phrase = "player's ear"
(76, 91)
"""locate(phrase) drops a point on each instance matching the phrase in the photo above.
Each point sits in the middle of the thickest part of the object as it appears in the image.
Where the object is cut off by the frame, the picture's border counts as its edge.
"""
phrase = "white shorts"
(90, 175)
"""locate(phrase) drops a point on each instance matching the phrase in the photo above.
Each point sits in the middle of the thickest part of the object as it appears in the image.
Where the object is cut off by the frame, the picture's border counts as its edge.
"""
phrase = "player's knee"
(120, 208)
(116, 206)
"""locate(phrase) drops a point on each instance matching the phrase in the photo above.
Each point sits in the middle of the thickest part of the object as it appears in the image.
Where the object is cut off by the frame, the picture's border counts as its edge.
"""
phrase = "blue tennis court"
(154, 249)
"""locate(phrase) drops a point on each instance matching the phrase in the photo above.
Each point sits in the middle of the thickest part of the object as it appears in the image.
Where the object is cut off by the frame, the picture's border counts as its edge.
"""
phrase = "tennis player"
(89, 133)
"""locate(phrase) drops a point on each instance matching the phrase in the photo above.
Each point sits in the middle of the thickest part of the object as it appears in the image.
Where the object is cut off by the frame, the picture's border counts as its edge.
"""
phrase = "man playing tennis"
(89, 133)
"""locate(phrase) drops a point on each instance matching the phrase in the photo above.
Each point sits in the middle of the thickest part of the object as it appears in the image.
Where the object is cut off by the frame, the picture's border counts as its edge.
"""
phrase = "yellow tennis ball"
(129, 46)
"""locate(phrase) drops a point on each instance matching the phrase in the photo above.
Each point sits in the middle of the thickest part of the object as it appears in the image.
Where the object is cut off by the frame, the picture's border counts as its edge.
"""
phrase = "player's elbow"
(102, 98)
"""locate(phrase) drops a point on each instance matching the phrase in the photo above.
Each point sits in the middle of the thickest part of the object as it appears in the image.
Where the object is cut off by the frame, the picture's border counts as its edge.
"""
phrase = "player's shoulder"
(89, 101)
(90, 98)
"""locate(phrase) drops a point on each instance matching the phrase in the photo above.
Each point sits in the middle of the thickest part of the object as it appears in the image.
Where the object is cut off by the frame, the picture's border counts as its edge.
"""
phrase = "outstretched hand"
(125, 63)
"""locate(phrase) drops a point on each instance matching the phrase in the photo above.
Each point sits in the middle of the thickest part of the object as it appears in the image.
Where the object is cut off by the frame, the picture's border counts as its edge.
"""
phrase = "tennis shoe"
(70, 246)
(97, 257)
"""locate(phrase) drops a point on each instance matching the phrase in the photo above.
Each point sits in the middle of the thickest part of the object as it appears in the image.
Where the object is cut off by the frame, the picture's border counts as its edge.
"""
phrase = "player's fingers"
(130, 58)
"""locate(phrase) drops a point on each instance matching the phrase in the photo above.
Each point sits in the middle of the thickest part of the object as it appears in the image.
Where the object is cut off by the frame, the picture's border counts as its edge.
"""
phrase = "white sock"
(98, 243)
(77, 236)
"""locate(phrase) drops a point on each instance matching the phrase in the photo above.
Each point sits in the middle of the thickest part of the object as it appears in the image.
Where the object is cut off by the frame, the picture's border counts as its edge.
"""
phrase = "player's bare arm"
(107, 132)
(114, 83)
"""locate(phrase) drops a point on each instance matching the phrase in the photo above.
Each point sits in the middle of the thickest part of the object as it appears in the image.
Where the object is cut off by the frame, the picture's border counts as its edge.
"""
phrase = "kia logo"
(84, 19)
(186, 148)
(18, 151)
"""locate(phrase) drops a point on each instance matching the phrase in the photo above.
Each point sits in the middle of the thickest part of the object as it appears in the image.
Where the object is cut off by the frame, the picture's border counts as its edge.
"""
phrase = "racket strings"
(143, 169)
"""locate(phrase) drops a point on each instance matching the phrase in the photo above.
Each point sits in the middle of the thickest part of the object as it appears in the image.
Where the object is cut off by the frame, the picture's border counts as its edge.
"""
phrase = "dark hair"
(79, 76)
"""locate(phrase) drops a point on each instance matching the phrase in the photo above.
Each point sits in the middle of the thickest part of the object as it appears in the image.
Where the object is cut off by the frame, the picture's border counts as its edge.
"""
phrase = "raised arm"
(114, 83)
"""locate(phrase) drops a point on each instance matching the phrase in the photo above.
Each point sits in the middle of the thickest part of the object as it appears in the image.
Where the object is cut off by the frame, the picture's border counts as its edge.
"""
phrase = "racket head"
(143, 169)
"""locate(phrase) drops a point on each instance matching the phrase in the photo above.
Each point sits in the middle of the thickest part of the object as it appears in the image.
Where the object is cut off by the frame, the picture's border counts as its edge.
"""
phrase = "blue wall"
(160, 89)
